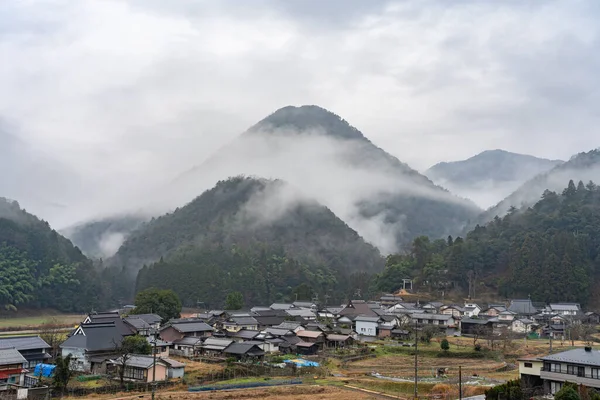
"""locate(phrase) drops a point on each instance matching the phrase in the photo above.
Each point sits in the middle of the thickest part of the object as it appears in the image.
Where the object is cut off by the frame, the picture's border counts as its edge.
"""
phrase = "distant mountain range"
(583, 167)
(490, 176)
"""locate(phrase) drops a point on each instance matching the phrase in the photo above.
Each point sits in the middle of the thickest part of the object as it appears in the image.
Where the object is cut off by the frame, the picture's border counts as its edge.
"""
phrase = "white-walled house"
(521, 325)
(366, 326)
(471, 309)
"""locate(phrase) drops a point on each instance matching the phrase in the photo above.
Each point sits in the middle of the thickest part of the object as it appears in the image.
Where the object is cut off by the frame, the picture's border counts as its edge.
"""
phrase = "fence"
(127, 387)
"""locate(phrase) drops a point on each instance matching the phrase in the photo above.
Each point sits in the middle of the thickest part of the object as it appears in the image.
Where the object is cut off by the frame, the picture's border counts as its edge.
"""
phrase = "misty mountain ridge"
(490, 176)
(242, 211)
(583, 167)
(384, 200)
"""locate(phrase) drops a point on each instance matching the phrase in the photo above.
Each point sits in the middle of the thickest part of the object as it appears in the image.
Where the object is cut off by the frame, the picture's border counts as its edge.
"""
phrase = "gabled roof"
(11, 356)
(216, 344)
(243, 334)
(288, 325)
(306, 304)
(301, 312)
(95, 336)
(522, 306)
(23, 342)
(309, 334)
(281, 306)
(188, 341)
(438, 317)
(139, 361)
(173, 363)
(149, 318)
(337, 338)
(565, 307)
(190, 325)
(306, 344)
(244, 348)
(279, 332)
(138, 323)
(243, 321)
(364, 318)
(108, 317)
(357, 307)
(269, 320)
(269, 313)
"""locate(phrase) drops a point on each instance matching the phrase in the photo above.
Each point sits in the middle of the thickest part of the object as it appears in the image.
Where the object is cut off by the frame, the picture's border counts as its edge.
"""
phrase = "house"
(290, 326)
(471, 309)
(187, 346)
(140, 368)
(175, 369)
(400, 307)
(179, 328)
(367, 325)
(244, 351)
(522, 307)
(236, 323)
(141, 327)
(317, 337)
(432, 306)
(493, 310)
(446, 323)
(522, 325)
(388, 300)
(214, 347)
(355, 308)
(476, 326)
(506, 316)
(400, 334)
(563, 309)
(12, 368)
(530, 369)
(90, 342)
(591, 317)
(266, 321)
(305, 304)
(153, 320)
(33, 348)
(337, 341)
(304, 313)
(110, 317)
(160, 346)
(580, 366)
(307, 348)
(454, 310)
(386, 325)
(243, 335)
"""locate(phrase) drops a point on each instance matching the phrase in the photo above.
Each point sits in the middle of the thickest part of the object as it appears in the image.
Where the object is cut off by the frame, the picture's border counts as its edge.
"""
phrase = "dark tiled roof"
(137, 323)
(149, 318)
(191, 326)
(139, 361)
(523, 307)
(97, 336)
(243, 334)
(11, 356)
(269, 320)
(244, 320)
(358, 307)
(577, 356)
(244, 348)
(288, 325)
(23, 342)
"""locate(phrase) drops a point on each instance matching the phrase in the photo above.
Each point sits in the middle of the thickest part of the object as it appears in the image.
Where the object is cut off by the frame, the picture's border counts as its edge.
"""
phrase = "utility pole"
(154, 367)
(416, 360)
(459, 382)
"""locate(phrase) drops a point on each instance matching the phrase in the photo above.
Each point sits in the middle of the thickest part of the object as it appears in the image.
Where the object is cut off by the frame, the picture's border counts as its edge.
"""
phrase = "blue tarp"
(302, 362)
(45, 370)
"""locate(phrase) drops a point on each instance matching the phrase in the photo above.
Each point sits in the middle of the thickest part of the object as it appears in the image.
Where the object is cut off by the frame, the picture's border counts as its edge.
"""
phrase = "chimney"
(588, 349)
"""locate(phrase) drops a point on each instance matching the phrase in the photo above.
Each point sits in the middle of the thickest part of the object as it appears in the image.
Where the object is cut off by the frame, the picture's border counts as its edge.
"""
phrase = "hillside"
(581, 167)
(549, 251)
(102, 238)
(490, 176)
(251, 214)
(384, 200)
(40, 268)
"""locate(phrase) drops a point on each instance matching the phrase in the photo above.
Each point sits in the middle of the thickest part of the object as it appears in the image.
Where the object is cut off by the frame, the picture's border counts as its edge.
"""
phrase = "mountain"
(251, 219)
(550, 251)
(581, 167)
(384, 200)
(490, 176)
(40, 268)
(102, 238)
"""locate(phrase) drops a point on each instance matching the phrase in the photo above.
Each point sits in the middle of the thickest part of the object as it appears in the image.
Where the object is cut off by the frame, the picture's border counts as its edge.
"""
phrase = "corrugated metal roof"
(576, 356)
(309, 334)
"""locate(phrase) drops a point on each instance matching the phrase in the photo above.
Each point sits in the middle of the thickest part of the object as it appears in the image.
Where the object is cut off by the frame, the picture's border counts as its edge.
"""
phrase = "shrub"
(445, 345)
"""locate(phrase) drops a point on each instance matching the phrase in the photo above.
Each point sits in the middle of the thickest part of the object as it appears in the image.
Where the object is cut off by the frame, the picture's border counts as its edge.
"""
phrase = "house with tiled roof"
(32, 347)
(179, 328)
(12, 368)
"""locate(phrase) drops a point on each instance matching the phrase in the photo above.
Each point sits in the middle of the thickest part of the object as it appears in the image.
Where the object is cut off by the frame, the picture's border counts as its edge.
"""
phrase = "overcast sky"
(131, 93)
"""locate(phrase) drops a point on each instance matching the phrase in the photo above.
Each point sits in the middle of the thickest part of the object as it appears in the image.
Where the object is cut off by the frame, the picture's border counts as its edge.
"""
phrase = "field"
(33, 322)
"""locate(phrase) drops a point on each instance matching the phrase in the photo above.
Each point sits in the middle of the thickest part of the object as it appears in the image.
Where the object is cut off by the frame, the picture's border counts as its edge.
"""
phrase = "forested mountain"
(40, 268)
(581, 167)
(490, 176)
(228, 231)
(102, 238)
(550, 251)
(383, 199)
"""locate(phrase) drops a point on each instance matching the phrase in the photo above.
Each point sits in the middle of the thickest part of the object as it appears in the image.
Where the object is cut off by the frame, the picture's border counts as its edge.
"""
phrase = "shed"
(175, 369)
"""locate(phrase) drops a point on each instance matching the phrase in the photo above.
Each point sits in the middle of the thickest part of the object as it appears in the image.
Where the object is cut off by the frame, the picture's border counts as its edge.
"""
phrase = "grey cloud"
(129, 94)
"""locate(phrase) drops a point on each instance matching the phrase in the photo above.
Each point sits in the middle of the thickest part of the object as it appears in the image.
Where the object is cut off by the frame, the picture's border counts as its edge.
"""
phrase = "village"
(386, 345)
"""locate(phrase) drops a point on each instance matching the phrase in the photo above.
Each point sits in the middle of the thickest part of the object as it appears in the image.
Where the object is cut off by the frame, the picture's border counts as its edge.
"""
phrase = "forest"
(39, 268)
(549, 251)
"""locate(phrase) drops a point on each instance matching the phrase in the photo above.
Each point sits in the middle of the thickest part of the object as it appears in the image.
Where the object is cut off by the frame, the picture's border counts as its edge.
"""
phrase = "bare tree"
(130, 346)
(50, 332)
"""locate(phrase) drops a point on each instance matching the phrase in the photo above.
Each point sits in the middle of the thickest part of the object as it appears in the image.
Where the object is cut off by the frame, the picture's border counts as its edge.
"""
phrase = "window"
(571, 369)
(555, 367)
(134, 373)
(528, 365)
(555, 387)
(596, 373)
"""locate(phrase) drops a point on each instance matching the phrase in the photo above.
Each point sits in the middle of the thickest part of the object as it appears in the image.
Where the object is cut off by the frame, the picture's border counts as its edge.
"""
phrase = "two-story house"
(12, 371)
(471, 309)
(33, 348)
(366, 326)
(453, 309)
(580, 366)
(448, 324)
(237, 323)
(564, 309)
(179, 328)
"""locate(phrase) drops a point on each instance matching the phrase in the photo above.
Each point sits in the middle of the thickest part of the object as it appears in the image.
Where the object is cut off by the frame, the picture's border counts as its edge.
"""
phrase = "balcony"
(575, 377)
